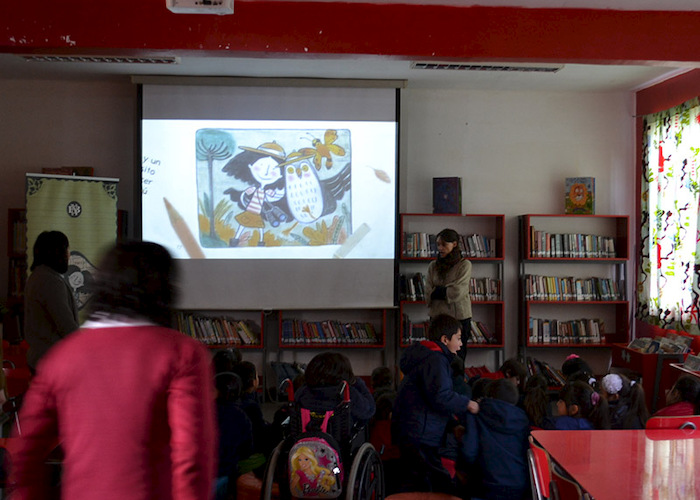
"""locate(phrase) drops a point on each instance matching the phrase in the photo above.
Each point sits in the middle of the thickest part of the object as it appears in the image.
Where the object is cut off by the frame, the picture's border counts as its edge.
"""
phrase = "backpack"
(315, 465)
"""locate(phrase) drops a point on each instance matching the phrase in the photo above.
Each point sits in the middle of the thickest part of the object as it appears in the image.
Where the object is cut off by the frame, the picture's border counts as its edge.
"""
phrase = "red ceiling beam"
(325, 28)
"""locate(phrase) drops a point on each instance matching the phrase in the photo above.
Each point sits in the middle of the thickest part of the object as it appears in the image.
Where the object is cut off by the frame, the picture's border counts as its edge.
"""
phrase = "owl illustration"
(309, 197)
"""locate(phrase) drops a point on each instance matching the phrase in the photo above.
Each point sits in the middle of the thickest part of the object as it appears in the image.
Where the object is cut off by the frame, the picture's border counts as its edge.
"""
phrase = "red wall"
(266, 27)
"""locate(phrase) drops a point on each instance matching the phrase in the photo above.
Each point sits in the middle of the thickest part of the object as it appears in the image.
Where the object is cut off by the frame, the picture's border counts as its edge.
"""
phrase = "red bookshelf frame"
(616, 226)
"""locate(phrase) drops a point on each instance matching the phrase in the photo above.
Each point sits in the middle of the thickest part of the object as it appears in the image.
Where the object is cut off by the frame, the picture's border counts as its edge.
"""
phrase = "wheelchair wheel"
(366, 479)
(269, 477)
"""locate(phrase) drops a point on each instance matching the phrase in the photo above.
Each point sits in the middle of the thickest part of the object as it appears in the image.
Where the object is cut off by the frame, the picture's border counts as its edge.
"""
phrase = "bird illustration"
(308, 196)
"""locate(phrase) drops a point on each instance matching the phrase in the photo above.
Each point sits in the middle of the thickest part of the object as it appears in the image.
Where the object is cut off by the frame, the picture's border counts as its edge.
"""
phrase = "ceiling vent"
(519, 68)
(101, 59)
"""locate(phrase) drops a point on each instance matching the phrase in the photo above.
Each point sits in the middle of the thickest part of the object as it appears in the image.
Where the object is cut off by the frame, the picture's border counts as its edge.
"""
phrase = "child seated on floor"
(536, 402)
(626, 402)
(250, 404)
(580, 407)
(515, 371)
(576, 368)
(382, 382)
(683, 399)
(496, 443)
(321, 391)
(235, 434)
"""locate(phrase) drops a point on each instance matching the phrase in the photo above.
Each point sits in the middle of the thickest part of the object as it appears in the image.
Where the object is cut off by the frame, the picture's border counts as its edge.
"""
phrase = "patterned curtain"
(667, 286)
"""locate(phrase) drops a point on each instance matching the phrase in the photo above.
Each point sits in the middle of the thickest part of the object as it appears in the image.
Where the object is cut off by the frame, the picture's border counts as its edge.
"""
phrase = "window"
(667, 284)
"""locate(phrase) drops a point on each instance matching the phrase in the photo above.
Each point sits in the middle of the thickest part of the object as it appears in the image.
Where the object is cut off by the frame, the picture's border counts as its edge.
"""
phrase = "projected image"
(269, 189)
(276, 187)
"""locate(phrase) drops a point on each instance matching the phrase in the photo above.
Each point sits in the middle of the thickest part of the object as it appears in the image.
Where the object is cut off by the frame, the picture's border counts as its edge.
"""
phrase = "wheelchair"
(362, 480)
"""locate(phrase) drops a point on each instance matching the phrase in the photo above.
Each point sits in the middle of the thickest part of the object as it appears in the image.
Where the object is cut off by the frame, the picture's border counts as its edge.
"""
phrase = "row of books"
(19, 237)
(557, 288)
(417, 331)
(295, 331)
(413, 287)
(219, 330)
(536, 367)
(425, 245)
(571, 245)
(576, 331)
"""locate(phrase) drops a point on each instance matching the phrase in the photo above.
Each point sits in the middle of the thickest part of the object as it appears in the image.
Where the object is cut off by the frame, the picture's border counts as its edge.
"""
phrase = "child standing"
(425, 403)
(496, 440)
(683, 399)
(626, 404)
(580, 407)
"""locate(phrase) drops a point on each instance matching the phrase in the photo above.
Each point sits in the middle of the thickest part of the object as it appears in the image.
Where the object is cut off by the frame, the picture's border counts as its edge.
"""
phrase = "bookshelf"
(573, 280)
(332, 329)
(222, 329)
(17, 255)
(483, 243)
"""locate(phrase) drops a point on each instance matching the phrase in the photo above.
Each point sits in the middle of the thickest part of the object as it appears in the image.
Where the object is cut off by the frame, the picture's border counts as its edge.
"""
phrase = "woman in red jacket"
(129, 400)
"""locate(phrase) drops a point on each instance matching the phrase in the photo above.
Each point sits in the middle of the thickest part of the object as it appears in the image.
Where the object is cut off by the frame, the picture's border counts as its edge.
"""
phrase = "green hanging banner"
(85, 210)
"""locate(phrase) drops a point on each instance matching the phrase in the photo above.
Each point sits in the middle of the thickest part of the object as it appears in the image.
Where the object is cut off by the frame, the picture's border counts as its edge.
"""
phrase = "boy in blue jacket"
(426, 402)
(496, 442)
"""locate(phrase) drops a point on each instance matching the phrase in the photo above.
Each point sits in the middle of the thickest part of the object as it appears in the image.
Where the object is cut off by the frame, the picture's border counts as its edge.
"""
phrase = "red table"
(634, 464)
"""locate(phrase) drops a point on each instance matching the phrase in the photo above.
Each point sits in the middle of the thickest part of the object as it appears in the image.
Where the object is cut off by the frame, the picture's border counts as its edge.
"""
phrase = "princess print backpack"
(315, 465)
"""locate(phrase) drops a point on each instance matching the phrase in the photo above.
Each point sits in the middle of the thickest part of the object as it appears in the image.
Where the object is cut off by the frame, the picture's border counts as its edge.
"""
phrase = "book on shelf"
(479, 334)
(571, 245)
(670, 344)
(413, 331)
(424, 245)
(553, 376)
(576, 331)
(447, 195)
(692, 363)
(559, 289)
(579, 196)
(295, 331)
(219, 330)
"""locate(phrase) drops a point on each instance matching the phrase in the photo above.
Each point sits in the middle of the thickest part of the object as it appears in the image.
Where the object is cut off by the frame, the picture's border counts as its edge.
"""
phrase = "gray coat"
(458, 303)
(50, 312)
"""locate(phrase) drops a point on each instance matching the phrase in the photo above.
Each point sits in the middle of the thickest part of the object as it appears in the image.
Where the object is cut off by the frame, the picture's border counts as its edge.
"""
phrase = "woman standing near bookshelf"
(448, 284)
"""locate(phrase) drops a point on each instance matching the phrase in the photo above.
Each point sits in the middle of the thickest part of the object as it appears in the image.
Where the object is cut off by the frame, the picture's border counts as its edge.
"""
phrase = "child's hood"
(502, 417)
(417, 354)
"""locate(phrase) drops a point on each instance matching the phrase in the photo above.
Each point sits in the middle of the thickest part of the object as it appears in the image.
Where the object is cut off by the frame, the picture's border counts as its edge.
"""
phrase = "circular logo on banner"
(74, 209)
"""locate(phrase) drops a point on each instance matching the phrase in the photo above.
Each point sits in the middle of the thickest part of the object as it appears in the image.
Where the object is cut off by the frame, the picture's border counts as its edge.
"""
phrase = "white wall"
(512, 149)
(55, 124)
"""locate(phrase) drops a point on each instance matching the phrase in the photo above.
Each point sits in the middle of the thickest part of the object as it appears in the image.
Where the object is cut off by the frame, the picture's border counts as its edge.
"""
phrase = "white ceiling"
(572, 77)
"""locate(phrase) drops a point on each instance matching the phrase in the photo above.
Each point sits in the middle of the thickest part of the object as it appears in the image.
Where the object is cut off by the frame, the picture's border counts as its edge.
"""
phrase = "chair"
(543, 486)
(568, 489)
(683, 422)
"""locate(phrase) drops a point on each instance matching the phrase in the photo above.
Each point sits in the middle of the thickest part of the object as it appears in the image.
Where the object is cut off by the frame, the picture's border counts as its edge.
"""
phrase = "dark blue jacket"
(235, 437)
(496, 439)
(362, 406)
(261, 429)
(426, 398)
(566, 423)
